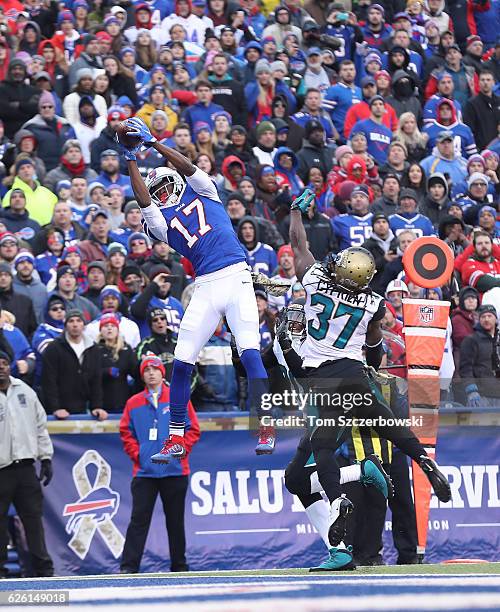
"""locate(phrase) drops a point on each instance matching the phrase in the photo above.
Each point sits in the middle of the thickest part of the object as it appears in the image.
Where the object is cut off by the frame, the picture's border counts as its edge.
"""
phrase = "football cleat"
(173, 447)
(338, 559)
(437, 479)
(339, 511)
(372, 473)
(267, 440)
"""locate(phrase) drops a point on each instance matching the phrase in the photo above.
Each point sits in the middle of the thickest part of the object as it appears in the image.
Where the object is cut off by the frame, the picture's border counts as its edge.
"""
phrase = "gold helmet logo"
(354, 268)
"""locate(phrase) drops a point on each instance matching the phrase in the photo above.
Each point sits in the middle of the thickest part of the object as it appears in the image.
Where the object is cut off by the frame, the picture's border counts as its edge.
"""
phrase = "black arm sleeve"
(294, 363)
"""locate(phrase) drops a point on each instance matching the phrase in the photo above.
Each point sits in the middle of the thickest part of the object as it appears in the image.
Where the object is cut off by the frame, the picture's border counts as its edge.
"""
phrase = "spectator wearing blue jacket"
(446, 119)
(444, 159)
(285, 165)
(204, 110)
(340, 97)
(407, 217)
(143, 428)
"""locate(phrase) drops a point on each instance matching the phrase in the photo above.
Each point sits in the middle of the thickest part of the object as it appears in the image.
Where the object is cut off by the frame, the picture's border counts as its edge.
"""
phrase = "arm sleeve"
(294, 363)
(203, 185)
(156, 222)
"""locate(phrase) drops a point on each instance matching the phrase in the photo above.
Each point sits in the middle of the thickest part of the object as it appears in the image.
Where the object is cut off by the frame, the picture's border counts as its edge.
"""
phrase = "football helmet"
(158, 183)
(296, 320)
(352, 268)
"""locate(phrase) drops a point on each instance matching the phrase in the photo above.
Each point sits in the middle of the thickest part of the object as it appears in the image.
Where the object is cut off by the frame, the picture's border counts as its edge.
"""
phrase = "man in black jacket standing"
(482, 113)
(71, 372)
(18, 101)
(476, 361)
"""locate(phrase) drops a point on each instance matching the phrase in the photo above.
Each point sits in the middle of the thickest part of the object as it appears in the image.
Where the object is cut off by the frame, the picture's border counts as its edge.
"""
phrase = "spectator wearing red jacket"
(479, 264)
(143, 426)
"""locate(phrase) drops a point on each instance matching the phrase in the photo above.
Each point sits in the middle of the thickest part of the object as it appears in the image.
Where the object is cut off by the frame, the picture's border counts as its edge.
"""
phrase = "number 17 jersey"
(337, 320)
(200, 229)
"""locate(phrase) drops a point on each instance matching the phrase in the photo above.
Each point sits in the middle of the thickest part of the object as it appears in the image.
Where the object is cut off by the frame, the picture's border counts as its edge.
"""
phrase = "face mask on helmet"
(165, 187)
(296, 322)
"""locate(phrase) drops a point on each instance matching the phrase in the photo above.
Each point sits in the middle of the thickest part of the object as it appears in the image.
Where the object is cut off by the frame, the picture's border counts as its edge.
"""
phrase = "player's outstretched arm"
(180, 162)
(139, 188)
(304, 259)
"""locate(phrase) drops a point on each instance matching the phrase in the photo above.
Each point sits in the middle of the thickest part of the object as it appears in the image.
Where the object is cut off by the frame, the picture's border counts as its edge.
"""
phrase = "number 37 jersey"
(337, 320)
(200, 229)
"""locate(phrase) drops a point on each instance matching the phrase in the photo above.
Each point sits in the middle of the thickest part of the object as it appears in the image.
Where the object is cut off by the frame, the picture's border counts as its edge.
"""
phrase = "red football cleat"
(267, 440)
(173, 447)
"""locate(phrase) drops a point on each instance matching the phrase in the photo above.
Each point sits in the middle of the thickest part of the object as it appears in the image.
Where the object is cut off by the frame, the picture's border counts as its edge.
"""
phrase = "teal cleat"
(372, 473)
(339, 559)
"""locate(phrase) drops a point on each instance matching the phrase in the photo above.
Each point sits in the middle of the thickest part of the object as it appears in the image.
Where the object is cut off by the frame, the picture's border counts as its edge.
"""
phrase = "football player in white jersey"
(343, 316)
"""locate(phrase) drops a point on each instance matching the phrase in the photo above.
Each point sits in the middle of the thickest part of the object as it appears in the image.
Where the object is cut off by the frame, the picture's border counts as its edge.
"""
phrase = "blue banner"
(238, 512)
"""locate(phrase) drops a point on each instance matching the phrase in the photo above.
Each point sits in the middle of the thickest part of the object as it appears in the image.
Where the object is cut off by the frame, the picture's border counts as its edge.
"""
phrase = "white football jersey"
(337, 320)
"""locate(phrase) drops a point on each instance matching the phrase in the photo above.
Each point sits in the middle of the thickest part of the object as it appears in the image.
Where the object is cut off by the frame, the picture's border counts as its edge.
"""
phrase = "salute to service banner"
(239, 514)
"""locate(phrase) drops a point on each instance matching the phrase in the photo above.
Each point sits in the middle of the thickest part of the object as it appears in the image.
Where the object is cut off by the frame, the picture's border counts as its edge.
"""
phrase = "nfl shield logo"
(426, 314)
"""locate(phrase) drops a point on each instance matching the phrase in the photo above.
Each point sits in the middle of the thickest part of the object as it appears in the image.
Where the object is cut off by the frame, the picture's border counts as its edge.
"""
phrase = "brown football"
(127, 141)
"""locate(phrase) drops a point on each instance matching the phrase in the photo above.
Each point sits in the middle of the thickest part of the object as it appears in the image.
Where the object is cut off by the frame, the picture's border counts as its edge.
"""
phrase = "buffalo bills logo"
(427, 314)
(99, 505)
(95, 507)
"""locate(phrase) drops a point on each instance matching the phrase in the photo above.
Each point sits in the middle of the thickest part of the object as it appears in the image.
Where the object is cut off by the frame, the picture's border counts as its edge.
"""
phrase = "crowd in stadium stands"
(400, 98)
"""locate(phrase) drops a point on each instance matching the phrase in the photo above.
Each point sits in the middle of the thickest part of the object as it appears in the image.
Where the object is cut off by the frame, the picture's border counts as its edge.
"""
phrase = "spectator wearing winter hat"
(132, 222)
(261, 92)
(72, 165)
(19, 304)
(106, 141)
(118, 362)
(89, 125)
(18, 101)
(40, 201)
(487, 221)
(72, 256)
(436, 202)
(314, 152)
(397, 160)
(382, 245)
(112, 302)
(83, 87)
(339, 173)
(480, 385)
(48, 330)
(26, 143)
(89, 59)
(110, 173)
(70, 371)
(16, 218)
(139, 248)
(463, 319)
(407, 217)
(28, 283)
(157, 295)
(157, 101)
(202, 137)
(96, 280)
(50, 130)
(445, 160)
(94, 248)
(164, 255)
(361, 110)
(66, 288)
(475, 198)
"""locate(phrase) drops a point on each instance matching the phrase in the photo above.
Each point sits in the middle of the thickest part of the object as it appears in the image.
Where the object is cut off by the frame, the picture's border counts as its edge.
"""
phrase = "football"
(127, 141)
